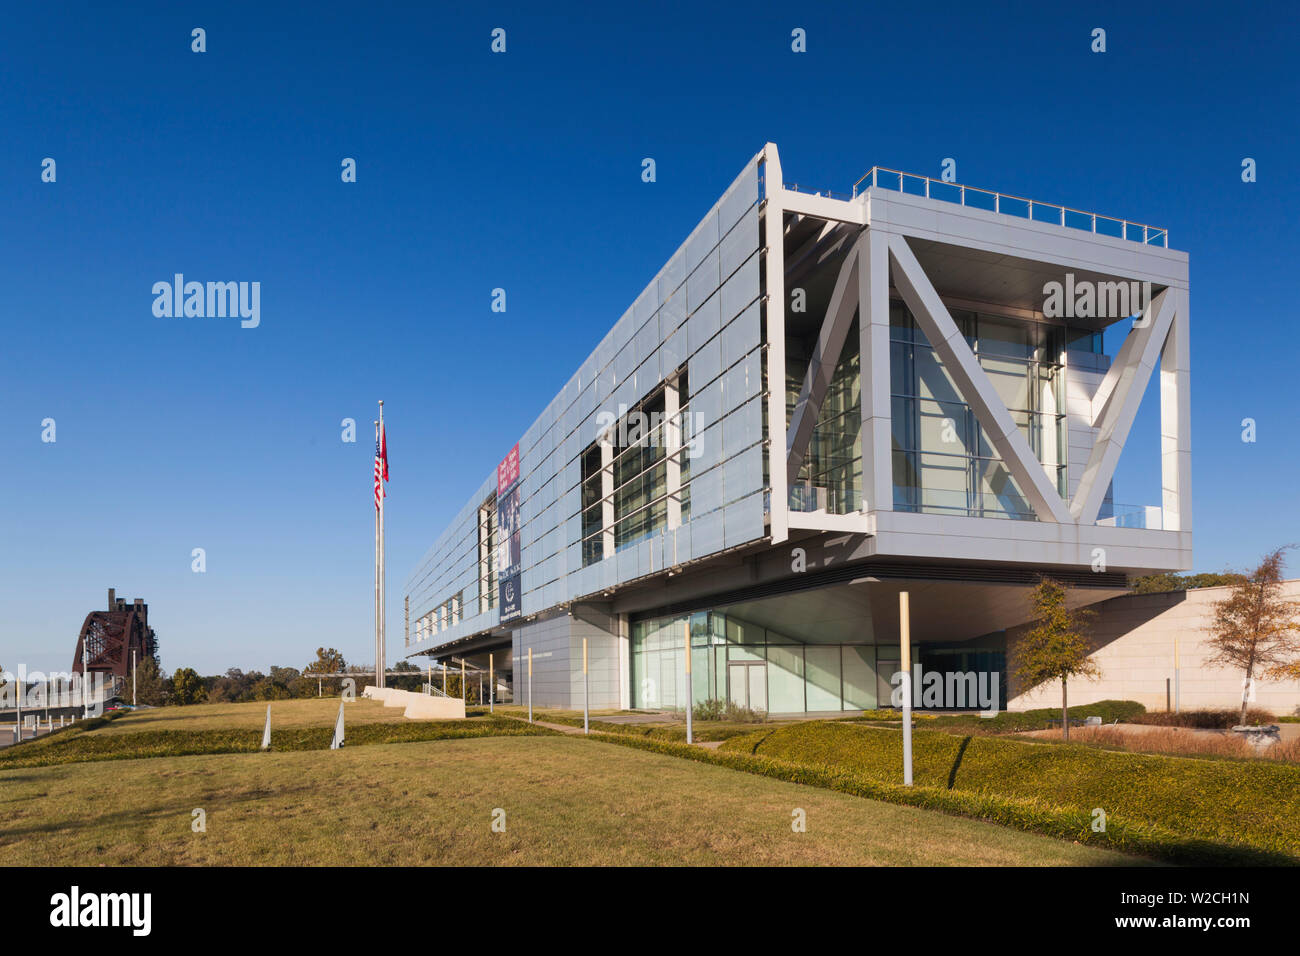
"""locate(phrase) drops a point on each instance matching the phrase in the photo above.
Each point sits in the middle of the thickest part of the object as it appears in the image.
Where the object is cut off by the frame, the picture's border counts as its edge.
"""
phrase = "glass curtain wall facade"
(751, 666)
(487, 551)
(638, 503)
(763, 669)
(942, 459)
(831, 476)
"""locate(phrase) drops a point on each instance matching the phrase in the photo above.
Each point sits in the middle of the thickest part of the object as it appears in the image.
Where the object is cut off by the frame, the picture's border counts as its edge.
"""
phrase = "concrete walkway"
(8, 738)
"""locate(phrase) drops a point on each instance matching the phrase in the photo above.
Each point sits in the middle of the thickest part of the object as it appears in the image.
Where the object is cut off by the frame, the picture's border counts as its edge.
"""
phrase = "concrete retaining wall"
(1133, 639)
(417, 706)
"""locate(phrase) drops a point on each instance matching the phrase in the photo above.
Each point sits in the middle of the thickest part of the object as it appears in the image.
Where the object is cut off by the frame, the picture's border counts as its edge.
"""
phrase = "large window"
(763, 669)
(593, 547)
(487, 550)
(830, 478)
(750, 666)
(635, 478)
(641, 477)
(943, 460)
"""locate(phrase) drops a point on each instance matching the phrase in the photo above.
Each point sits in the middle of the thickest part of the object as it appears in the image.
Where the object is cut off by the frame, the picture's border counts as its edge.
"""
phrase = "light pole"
(689, 695)
(530, 685)
(492, 686)
(905, 653)
(586, 692)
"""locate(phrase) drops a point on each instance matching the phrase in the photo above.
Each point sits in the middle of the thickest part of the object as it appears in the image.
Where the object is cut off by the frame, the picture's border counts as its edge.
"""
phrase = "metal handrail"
(809, 191)
(1150, 235)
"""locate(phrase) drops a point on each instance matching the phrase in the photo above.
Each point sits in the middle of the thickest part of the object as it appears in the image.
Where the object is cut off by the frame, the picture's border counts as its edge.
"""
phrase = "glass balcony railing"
(966, 504)
(806, 498)
(1149, 517)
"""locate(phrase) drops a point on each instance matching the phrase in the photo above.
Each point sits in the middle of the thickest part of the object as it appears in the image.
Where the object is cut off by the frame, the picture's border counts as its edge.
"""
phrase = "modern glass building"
(820, 401)
(766, 670)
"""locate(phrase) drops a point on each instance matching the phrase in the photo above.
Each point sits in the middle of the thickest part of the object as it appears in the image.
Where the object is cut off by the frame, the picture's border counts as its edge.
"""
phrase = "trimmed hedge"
(1010, 722)
(889, 715)
(49, 751)
(1205, 719)
(1243, 804)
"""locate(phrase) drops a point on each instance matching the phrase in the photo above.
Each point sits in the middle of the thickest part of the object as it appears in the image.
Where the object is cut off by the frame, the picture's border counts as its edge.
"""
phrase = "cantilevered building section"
(820, 401)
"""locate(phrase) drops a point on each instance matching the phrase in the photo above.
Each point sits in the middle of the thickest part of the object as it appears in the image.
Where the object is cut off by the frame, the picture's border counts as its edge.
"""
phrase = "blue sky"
(522, 171)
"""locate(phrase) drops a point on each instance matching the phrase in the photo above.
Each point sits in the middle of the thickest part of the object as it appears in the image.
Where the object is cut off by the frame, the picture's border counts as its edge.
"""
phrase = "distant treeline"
(1160, 583)
(156, 688)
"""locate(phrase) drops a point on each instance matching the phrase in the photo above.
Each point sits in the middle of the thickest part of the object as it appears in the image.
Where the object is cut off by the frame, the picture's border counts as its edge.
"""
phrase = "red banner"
(508, 470)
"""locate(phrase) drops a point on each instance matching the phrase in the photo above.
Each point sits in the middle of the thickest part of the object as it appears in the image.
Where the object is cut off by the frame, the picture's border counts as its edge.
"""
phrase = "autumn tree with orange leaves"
(1255, 629)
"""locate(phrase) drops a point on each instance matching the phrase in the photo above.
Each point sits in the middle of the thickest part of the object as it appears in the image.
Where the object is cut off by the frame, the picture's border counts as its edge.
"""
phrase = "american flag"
(381, 465)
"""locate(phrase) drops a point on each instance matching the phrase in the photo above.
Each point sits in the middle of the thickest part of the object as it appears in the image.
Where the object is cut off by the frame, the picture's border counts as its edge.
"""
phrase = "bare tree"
(1255, 629)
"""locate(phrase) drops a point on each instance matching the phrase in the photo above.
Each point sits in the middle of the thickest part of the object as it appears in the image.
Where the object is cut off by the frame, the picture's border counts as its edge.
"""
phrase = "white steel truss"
(862, 288)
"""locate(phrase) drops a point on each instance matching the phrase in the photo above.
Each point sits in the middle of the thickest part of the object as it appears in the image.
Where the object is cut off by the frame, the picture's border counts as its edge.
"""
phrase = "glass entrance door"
(747, 684)
(758, 687)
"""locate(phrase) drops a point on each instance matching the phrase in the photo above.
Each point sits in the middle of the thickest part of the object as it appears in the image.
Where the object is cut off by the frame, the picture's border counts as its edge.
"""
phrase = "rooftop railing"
(878, 177)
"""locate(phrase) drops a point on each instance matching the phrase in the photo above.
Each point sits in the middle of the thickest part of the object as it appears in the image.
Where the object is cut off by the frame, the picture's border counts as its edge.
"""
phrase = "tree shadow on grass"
(956, 763)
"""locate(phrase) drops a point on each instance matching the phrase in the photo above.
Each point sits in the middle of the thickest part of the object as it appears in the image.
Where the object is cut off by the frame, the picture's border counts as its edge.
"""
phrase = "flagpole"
(379, 674)
(383, 571)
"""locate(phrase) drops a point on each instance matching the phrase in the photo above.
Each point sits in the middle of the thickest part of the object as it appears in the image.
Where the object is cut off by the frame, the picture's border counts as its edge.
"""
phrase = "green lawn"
(93, 741)
(285, 715)
(567, 801)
